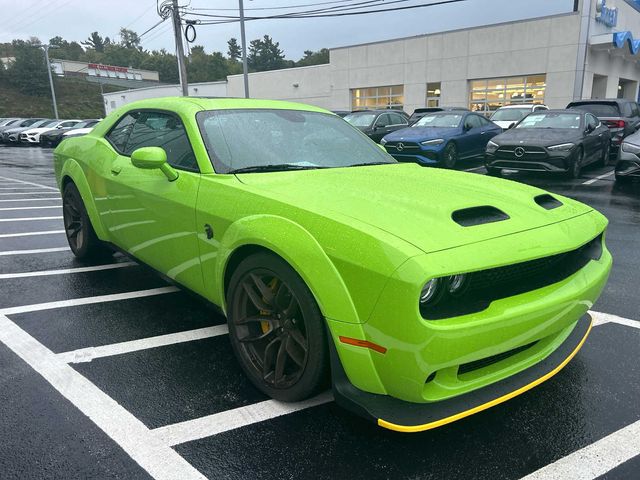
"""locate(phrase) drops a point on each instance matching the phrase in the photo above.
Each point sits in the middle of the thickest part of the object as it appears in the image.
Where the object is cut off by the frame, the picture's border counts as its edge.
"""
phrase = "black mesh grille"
(485, 362)
(485, 286)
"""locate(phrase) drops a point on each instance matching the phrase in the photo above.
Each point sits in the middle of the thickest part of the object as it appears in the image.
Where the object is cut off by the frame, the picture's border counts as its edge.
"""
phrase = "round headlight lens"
(457, 283)
(430, 291)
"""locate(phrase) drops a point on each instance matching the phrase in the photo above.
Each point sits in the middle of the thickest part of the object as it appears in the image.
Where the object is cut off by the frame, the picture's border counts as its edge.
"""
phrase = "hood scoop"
(547, 201)
(469, 217)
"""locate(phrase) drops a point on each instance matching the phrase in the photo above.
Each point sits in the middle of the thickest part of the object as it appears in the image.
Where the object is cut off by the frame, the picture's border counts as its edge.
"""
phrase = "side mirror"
(149, 158)
(59, 126)
(589, 128)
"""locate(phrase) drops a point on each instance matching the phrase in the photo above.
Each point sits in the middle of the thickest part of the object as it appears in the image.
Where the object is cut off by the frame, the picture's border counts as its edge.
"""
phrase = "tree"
(314, 58)
(66, 50)
(206, 68)
(234, 51)
(96, 42)
(29, 71)
(162, 62)
(265, 54)
(129, 39)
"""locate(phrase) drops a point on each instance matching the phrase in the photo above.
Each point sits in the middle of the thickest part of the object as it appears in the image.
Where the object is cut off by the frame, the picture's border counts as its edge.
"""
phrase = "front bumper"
(402, 416)
(416, 153)
(628, 165)
(538, 160)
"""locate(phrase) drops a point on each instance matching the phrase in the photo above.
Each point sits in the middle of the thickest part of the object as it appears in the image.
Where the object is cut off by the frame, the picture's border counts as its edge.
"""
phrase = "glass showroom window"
(377, 98)
(433, 94)
(489, 94)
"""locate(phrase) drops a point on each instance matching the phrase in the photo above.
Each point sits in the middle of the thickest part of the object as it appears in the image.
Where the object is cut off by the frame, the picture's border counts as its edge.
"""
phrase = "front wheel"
(81, 237)
(606, 156)
(276, 329)
(576, 166)
(450, 155)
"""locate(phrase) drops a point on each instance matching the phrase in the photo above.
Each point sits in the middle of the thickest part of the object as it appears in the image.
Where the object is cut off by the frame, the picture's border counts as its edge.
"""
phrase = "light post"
(53, 91)
(243, 39)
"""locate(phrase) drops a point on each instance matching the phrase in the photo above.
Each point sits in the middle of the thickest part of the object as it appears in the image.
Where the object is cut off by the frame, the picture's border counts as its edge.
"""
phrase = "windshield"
(551, 120)
(47, 123)
(599, 109)
(450, 120)
(29, 122)
(40, 123)
(510, 114)
(360, 119)
(241, 139)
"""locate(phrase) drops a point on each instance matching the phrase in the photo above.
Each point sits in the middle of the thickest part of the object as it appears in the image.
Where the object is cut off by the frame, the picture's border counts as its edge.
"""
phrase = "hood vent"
(547, 201)
(469, 217)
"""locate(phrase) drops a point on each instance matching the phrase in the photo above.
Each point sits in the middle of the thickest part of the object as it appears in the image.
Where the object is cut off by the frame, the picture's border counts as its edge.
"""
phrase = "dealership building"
(589, 52)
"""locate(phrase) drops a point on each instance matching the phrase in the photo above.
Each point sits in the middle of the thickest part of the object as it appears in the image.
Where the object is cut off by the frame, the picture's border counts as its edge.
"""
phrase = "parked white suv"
(509, 115)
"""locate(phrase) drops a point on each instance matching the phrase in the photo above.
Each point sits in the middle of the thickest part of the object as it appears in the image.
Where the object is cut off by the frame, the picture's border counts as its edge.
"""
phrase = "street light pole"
(53, 91)
(177, 30)
(243, 39)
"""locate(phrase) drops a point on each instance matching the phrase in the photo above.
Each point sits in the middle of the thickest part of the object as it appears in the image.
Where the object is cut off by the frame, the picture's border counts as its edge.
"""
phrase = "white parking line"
(33, 251)
(25, 193)
(44, 273)
(29, 199)
(88, 300)
(158, 459)
(26, 189)
(203, 427)
(9, 209)
(29, 219)
(88, 354)
(600, 318)
(29, 183)
(596, 459)
(599, 177)
(28, 234)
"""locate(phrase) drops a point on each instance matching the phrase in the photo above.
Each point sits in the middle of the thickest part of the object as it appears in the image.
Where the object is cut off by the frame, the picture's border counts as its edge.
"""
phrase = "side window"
(156, 129)
(635, 112)
(627, 111)
(592, 121)
(397, 119)
(384, 120)
(485, 122)
(119, 134)
(472, 121)
(67, 124)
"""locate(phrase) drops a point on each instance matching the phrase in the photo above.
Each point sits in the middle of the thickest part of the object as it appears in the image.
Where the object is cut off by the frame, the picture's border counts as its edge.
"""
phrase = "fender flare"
(297, 247)
(73, 171)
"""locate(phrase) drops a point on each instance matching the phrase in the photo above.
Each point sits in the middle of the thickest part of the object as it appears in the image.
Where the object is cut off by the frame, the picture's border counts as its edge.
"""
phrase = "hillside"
(76, 98)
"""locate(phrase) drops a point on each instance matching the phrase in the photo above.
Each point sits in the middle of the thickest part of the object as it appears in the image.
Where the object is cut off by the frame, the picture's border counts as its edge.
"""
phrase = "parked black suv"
(620, 115)
(377, 123)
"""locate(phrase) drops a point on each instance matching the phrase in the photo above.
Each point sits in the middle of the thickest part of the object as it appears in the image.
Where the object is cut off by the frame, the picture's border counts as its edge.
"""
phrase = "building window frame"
(488, 94)
(378, 98)
(434, 92)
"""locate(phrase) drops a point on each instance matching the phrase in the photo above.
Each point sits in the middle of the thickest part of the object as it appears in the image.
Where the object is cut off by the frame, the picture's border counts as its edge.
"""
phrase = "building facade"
(589, 52)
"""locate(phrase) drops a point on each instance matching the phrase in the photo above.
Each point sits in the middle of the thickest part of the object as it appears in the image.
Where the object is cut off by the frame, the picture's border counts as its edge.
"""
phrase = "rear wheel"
(450, 155)
(276, 328)
(81, 237)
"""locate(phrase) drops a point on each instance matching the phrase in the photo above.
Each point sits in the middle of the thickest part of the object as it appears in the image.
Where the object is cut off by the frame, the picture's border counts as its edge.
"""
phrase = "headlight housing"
(434, 142)
(431, 291)
(492, 146)
(457, 284)
(563, 147)
(630, 148)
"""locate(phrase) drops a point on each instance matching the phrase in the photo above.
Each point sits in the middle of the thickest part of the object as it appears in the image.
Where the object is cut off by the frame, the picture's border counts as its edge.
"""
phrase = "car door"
(472, 137)
(592, 139)
(380, 127)
(398, 122)
(149, 216)
(488, 131)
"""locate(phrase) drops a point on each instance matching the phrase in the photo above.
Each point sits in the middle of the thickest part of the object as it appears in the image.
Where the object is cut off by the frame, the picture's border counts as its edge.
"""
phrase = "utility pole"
(243, 39)
(53, 91)
(177, 31)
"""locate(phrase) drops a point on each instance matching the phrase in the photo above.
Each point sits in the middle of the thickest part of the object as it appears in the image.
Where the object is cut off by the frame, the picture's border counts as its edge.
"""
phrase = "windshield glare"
(360, 119)
(450, 120)
(550, 120)
(510, 114)
(246, 138)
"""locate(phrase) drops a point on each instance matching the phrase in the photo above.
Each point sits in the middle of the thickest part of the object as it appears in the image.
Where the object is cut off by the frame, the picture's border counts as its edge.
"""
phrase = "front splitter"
(402, 416)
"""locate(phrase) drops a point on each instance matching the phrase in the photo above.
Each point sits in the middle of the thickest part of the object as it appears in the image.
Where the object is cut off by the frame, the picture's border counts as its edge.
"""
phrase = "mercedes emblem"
(518, 152)
(400, 146)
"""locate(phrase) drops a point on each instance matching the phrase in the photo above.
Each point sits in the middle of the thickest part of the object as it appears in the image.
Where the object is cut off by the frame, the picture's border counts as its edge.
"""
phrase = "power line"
(147, 10)
(282, 7)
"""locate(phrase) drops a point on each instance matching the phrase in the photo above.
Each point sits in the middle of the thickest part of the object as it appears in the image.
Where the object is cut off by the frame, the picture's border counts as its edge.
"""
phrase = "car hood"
(504, 123)
(411, 202)
(31, 131)
(418, 134)
(542, 137)
(11, 131)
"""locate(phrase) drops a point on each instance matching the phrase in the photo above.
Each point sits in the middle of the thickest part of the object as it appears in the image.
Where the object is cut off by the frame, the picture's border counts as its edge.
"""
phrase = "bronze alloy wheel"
(276, 328)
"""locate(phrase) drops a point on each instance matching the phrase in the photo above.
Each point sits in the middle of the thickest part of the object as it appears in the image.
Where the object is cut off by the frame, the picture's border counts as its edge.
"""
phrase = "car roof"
(600, 100)
(559, 110)
(521, 105)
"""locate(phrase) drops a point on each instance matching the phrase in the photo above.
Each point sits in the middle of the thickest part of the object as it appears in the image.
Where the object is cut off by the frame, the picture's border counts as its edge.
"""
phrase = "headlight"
(563, 147)
(630, 148)
(457, 284)
(437, 141)
(383, 141)
(430, 291)
(492, 146)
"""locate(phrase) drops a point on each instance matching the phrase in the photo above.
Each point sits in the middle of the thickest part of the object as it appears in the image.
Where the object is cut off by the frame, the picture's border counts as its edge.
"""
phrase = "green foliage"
(265, 54)
(164, 63)
(314, 58)
(234, 51)
(28, 72)
(66, 50)
(96, 42)
(129, 39)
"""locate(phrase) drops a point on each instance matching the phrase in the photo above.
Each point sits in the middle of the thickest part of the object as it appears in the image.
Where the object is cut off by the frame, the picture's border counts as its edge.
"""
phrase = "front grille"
(508, 152)
(392, 147)
(487, 361)
(485, 286)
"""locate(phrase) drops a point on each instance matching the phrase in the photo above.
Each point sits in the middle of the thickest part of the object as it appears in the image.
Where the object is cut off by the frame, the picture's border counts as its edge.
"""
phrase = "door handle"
(116, 169)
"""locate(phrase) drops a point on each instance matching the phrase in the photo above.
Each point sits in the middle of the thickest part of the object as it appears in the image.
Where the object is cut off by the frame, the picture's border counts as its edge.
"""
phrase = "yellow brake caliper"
(264, 324)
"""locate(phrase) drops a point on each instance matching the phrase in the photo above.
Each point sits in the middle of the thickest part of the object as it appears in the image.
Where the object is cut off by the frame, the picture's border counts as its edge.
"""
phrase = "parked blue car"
(442, 138)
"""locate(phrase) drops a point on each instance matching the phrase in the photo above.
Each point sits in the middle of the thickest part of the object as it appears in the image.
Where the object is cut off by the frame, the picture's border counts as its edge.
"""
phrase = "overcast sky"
(75, 19)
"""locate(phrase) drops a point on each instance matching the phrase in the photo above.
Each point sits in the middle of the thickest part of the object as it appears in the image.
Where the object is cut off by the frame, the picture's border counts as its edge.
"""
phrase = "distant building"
(111, 74)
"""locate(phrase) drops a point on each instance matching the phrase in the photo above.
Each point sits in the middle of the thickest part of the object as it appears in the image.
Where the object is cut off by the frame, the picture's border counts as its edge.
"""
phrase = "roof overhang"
(620, 43)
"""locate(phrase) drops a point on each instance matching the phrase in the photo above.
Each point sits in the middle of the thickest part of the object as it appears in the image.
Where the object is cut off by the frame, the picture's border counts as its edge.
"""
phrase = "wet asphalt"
(44, 435)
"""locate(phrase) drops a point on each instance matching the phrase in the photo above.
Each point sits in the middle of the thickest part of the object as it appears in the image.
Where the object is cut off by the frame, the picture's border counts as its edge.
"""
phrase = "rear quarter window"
(598, 109)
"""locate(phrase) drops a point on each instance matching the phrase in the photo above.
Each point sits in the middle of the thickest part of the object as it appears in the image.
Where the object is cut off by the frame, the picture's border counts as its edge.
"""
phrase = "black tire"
(450, 155)
(606, 157)
(80, 234)
(276, 329)
(622, 180)
(575, 169)
(494, 172)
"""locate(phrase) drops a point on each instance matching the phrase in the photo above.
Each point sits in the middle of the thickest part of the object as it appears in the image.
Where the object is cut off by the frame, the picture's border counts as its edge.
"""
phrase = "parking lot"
(107, 371)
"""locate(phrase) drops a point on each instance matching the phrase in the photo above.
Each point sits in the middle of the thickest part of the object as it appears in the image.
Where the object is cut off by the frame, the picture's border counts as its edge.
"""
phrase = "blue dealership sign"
(607, 15)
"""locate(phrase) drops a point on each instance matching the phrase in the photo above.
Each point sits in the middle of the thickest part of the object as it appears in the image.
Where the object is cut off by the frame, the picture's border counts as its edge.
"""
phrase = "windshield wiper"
(274, 168)
(372, 163)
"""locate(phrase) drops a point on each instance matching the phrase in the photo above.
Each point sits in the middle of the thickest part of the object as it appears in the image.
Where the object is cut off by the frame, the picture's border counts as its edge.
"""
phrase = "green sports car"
(425, 295)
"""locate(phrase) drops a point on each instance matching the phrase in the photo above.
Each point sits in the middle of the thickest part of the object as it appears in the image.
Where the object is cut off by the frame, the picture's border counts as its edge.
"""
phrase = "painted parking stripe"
(34, 251)
(43, 273)
(203, 427)
(11, 209)
(88, 354)
(24, 189)
(29, 219)
(600, 318)
(158, 459)
(25, 193)
(29, 183)
(29, 234)
(29, 199)
(596, 459)
(599, 177)
(88, 300)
